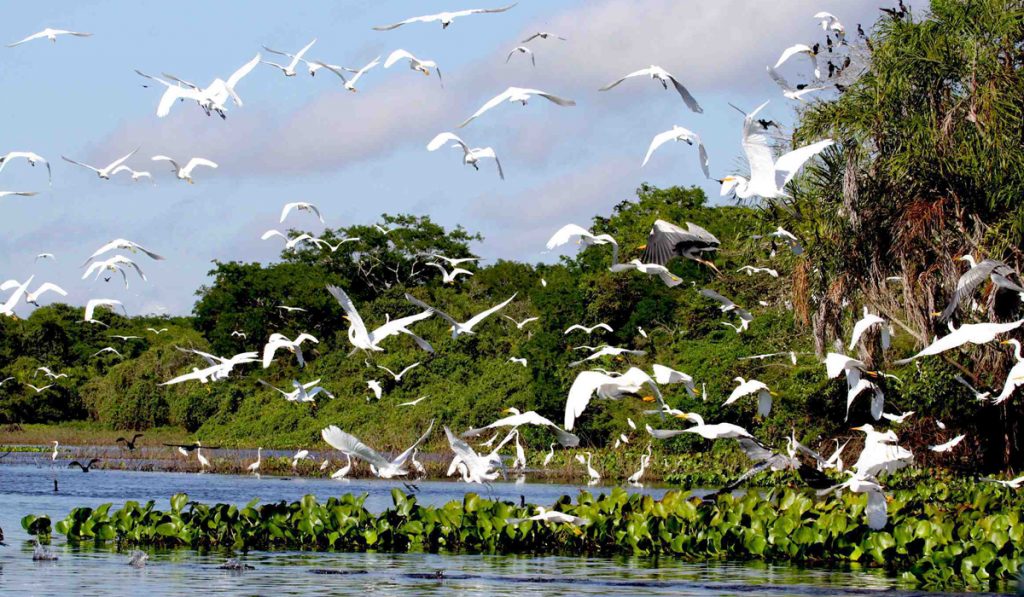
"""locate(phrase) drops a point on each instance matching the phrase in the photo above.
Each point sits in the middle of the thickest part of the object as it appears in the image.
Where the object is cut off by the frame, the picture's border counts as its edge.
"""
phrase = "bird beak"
(771, 393)
(936, 314)
(681, 416)
(642, 248)
(346, 317)
(1004, 341)
(506, 410)
(648, 398)
(858, 428)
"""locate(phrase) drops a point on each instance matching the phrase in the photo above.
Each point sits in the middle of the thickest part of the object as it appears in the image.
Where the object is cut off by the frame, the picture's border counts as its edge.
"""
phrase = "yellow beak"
(648, 398)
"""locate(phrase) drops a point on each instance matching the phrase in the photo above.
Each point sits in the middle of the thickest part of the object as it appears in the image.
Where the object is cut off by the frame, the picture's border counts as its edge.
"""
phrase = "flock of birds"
(768, 177)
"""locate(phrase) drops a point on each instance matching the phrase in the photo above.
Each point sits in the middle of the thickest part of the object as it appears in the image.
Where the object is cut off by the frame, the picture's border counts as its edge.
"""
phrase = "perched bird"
(254, 468)
(50, 34)
(289, 69)
(470, 155)
(300, 206)
(379, 465)
(107, 171)
(465, 327)
(31, 158)
(85, 467)
(522, 50)
(445, 18)
(595, 477)
(768, 175)
(664, 77)
(185, 172)
(517, 94)
(204, 462)
(678, 133)
(422, 66)
(342, 472)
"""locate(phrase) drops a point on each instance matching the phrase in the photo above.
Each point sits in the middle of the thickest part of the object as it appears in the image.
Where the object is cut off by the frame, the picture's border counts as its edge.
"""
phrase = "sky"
(358, 155)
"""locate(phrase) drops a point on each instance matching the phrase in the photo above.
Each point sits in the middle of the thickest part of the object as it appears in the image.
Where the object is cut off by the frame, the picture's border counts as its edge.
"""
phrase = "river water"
(28, 489)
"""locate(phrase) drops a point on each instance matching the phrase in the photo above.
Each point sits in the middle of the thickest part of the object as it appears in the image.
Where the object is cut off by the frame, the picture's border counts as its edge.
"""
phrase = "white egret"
(518, 361)
(989, 269)
(18, 194)
(362, 338)
(522, 50)
(605, 351)
(800, 50)
(521, 95)
(45, 256)
(1015, 377)
(973, 333)
(664, 77)
(303, 392)
(185, 172)
(204, 463)
(752, 386)
(949, 445)
(107, 171)
(790, 91)
(829, 22)
(457, 327)
(542, 35)
(520, 324)
(595, 477)
(651, 269)
(93, 304)
(865, 323)
(549, 455)
(611, 387)
(470, 155)
(30, 157)
(33, 297)
(585, 238)
(897, 419)
(123, 244)
(881, 454)
(413, 402)
(379, 465)
(107, 350)
(342, 472)
(398, 376)
(876, 508)
(422, 66)
(301, 206)
(707, 431)
(751, 270)
(289, 69)
(300, 455)
(445, 18)
(449, 277)
(50, 34)
(254, 468)
(350, 83)
(516, 418)
(115, 264)
(588, 330)
(280, 341)
(768, 176)
(545, 515)
(375, 387)
(135, 174)
(678, 133)
(1010, 484)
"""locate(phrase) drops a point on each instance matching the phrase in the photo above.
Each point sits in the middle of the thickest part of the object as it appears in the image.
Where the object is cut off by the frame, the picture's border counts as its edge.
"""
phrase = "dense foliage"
(941, 536)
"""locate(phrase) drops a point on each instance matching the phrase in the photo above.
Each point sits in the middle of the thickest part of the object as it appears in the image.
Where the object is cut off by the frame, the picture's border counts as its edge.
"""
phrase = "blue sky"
(357, 155)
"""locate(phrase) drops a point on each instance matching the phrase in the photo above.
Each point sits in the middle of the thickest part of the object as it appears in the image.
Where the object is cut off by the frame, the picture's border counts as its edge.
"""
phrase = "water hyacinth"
(937, 536)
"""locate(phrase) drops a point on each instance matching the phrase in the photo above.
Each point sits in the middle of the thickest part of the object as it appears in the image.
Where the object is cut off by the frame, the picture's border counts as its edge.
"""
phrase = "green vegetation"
(943, 536)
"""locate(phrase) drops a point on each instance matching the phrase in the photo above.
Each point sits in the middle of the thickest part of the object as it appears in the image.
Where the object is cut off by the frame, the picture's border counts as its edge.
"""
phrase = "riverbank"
(939, 536)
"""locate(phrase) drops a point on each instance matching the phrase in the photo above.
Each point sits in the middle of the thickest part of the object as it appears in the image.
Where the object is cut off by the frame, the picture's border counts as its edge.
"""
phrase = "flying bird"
(664, 77)
(666, 240)
(303, 392)
(993, 270)
(31, 158)
(50, 34)
(362, 338)
(751, 270)
(280, 341)
(520, 324)
(865, 323)
(379, 465)
(18, 194)
(289, 243)
(85, 467)
(678, 133)
(136, 175)
(517, 94)
(611, 387)
(542, 35)
(584, 238)
(445, 18)
(588, 330)
(457, 327)
(768, 176)
(516, 418)
(33, 297)
(125, 245)
(350, 83)
(289, 69)
(800, 50)
(752, 386)
(973, 333)
(185, 172)
(398, 376)
(93, 304)
(792, 92)
(651, 269)
(106, 172)
(947, 446)
(470, 155)
(522, 50)
(422, 66)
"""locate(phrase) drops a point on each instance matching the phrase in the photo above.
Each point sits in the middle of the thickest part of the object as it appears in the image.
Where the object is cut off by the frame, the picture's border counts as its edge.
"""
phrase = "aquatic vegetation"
(939, 535)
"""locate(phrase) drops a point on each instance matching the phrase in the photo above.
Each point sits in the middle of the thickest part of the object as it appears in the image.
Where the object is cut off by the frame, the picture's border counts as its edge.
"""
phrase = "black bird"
(85, 467)
(667, 240)
(831, 69)
(840, 87)
(129, 444)
(828, 42)
(2, 537)
(860, 31)
(191, 447)
(767, 123)
(846, 63)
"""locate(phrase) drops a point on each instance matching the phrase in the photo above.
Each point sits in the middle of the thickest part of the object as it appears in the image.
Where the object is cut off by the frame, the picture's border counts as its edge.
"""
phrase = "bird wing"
(561, 101)
(29, 38)
(684, 93)
(194, 162)
(862, 326)
(494, 101)
(790, 163)
(66, 159)
(423, 305)
(475, 11)
(298, 55)
(639, 73)
(49, 286)
(363, 70)
(565, 234)
(237, 76)
(333, 69)
(661, 139)
(401, 458)
(350, 445)
(441, 138)
(664, 433)
(350, 309)
(876, 510)
(420, 19)
(278, 390)
(580, 393)
(407, 369)
(397, 326)
(967, 284)
(121, 160)
(484, 314)
(396, 56)
(711, 294)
